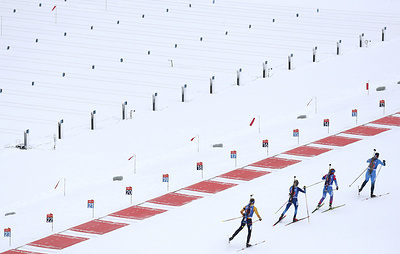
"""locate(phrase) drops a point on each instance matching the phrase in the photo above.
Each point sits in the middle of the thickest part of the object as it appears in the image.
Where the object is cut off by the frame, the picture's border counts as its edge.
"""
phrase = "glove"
(260, 219)
(337, 187)
(384, 163)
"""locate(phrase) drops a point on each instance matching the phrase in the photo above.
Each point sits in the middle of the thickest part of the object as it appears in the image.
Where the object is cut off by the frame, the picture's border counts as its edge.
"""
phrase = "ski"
(251, 245)
(279, 221)
(317, 208)
(333, 208)
(376, 196)
(296, 221)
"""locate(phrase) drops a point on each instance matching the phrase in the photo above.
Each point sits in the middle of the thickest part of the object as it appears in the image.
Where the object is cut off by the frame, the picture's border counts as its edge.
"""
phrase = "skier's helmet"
(252, 201)
(333, 170)
(296, 182)
(377, 155)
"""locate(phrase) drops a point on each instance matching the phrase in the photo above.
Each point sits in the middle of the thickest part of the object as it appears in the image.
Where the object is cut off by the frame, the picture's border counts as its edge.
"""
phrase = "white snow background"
(115, 51)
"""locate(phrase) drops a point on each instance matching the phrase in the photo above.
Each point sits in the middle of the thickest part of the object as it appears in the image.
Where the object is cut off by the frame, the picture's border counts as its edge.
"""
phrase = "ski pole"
(315, 184)
(281, 207)
(308, 215)
(232, 219)
(358, 176)
(255, 221)
(380, 166)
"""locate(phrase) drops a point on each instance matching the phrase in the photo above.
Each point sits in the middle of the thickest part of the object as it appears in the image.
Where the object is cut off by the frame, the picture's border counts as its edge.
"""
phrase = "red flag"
(54, 7)
(367, 86)
(57, 184)
(130, 158)
(252, 121)
(192, 138)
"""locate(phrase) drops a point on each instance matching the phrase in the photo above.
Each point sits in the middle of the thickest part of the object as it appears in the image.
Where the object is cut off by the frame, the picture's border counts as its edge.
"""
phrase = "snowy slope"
(110, 63)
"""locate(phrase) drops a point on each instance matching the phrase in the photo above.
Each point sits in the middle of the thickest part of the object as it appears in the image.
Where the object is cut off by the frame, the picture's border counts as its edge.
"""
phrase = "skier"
(329, 178)
(371, 172)
(247, 213)
(293, 192)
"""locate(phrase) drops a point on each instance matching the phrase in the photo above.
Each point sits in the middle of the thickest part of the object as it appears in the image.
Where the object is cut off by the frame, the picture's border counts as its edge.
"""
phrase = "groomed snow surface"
(65, 62)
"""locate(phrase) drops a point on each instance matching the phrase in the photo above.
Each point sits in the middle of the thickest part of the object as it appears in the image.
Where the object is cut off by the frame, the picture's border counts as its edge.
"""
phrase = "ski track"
(202, 193)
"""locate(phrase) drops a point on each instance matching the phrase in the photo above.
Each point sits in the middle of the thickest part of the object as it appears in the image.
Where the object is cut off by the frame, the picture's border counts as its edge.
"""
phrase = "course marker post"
(200, 167)
(234, 156)
(49, 219)
(7, 233)
(326, 123)
(128, 191)
(382, 104)
(354, 113)
(265, 144)
(90, 204)
(296, 134)
(165, 179)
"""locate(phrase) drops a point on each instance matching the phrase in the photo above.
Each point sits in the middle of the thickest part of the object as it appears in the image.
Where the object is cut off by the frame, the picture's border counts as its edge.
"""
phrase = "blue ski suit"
(371, 172)
(329, 180)
(293, 193)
